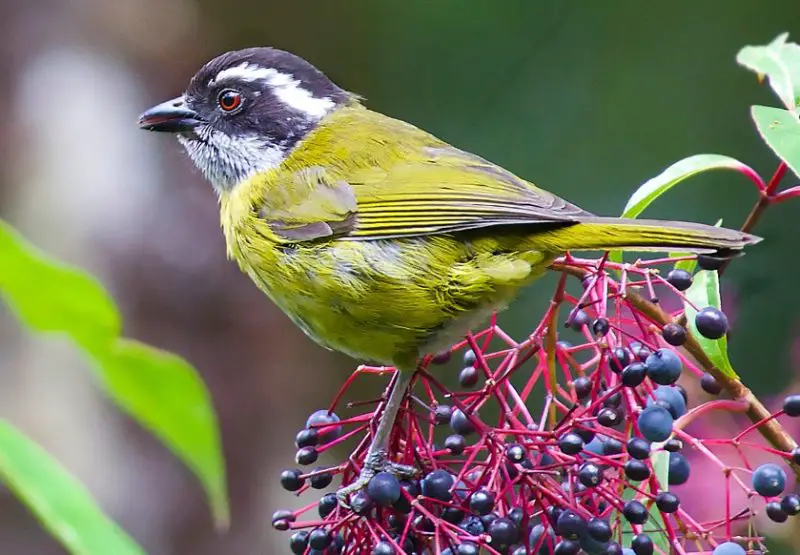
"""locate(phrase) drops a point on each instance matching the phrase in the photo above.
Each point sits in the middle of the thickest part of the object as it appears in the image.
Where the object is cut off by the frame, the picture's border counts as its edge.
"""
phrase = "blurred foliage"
(58, 500)
(160, 390)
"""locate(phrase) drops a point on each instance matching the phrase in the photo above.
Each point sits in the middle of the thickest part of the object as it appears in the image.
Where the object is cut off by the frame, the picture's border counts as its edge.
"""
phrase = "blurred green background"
(587, 99)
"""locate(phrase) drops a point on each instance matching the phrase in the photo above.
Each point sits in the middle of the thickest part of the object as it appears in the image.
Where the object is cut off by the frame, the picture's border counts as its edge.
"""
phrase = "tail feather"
(649, 235)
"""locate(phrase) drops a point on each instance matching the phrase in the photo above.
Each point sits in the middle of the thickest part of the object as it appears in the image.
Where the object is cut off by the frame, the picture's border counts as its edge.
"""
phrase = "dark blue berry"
(637, 470)
(769, 480)
(467, 548)
(570, 525)
(319, 538)
(634, 374)
(599, 529)
(791, 504)
(638, 448)
(567, 547)
(503, 531)
(361, 503)
(453, 515)
(674, 334)
(655, 423)
(473, 526)
(613, 548)
(679, 279)
(664, 367)
(710, 262)
(469, 357)
(544, 538)
(640, 351)
(642, 545)
(600, 327)
(618, 359)
(281, 519)
(679, 469)
(306, 456)
(468, 376)
(775, 512)
(710, 384)
(570, 443)
(791, 405)
(327, 504)
(383, 548)
(461, 424)
(578, 319)
(667, 502)
(442, 414)
(590, 475)
(320, 480)
(711, 323)
(437, 483)
(298, 542)
(442, 358)
(455, 443)
(583, 387)
(673, 445)
(306, 438)
(634, 512)
(329, 432)
(481, 502)
(671, 398)
(515, 452)
(384, 489)
(291, 480)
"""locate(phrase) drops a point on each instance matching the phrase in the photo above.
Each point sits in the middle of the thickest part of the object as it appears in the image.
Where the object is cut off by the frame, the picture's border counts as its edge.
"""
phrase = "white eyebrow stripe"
(285, 87)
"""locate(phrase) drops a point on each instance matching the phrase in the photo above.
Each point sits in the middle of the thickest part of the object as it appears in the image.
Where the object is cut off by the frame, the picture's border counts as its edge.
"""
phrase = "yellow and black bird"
(378, 239)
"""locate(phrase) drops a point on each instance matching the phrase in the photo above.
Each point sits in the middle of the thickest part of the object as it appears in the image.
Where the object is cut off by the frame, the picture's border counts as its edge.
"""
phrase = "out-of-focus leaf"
(649, 191)
(160, 390)
(705, 292)
(59, 501)
(779, 61)
(51, 297)
(781, 131)
(164, 393)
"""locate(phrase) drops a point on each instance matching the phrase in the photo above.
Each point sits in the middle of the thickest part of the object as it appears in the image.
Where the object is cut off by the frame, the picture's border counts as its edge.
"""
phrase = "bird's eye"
(229, 100)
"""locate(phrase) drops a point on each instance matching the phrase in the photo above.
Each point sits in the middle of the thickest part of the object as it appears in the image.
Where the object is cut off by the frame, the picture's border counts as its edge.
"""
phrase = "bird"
(376, 238)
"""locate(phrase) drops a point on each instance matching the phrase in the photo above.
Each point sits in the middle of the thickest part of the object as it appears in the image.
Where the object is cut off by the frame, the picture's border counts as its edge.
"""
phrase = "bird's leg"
(378, 452)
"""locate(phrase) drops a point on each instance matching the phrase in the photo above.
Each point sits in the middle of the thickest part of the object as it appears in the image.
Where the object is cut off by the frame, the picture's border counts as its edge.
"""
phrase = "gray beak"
(171, 116)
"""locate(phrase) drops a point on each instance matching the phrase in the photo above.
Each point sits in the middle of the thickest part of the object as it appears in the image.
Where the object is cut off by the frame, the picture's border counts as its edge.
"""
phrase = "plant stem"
(771, 429)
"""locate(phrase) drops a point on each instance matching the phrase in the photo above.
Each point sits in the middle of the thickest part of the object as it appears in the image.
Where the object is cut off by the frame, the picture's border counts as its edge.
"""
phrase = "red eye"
(229, 100)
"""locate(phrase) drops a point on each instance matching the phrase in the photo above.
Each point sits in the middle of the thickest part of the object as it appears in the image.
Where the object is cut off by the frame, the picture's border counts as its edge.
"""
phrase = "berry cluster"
(552, 445)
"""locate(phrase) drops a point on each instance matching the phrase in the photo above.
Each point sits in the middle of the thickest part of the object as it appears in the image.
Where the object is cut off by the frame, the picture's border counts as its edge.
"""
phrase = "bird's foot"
(375, 462)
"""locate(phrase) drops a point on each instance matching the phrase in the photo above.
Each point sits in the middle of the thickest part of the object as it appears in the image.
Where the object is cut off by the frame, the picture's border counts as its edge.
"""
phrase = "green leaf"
(705, 292)
(51, 297)
(165, 394)
(160, 390)
(781, 131)
(58, 500)
(648, 192)
(779, 61)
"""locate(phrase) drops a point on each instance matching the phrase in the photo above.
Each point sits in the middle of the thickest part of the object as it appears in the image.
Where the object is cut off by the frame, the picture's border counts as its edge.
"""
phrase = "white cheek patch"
(227, 161)
(286, 88)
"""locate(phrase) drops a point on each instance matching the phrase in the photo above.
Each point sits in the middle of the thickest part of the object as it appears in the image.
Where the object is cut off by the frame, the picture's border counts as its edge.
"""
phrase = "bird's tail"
(647, 235)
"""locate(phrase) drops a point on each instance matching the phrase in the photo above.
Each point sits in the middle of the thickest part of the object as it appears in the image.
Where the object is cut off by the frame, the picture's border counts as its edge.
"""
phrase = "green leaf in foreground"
(167, 396)
(705, 292)
(652, 189)
(779, 61)
(160, 390)
(59, 501)
(781, 131)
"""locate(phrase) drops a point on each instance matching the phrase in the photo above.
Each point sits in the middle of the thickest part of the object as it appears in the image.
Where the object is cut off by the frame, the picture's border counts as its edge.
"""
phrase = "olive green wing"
(447, 190)
(440, 190)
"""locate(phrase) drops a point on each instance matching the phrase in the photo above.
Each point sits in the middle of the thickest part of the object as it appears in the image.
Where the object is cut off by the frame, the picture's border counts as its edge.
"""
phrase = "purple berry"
(711, 322)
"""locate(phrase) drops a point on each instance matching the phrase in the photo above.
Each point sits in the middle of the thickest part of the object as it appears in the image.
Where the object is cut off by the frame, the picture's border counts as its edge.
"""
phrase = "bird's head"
(244, 111)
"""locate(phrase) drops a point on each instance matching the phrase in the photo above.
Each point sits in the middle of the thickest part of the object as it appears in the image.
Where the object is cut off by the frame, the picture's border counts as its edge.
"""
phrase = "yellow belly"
(391, 301)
